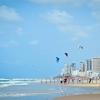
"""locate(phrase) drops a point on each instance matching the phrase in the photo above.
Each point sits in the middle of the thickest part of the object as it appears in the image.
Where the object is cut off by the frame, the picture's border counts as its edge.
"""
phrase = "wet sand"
(80, 97)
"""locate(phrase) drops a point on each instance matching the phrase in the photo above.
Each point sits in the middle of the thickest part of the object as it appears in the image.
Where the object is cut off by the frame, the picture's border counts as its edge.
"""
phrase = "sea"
(33, 89)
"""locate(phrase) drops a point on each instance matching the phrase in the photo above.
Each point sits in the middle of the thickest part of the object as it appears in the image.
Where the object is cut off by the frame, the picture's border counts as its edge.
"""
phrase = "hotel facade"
(92, 67)
(95, 65)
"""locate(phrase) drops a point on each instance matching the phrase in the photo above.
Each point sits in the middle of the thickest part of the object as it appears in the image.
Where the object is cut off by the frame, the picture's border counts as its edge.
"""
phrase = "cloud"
(13, 43)
(34, 42)
(76, 3)
(67, 2)
(58, 17)
(8, 44)
(9, 14)
(95, 9)
(19, 31)
(96, 14)
(59, 2)
(65, 23)
(94, 5)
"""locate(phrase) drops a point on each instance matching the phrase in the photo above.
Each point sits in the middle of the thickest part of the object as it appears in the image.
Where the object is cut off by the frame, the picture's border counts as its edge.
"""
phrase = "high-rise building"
(73, 66)
(66, 70)
(82, 66)
(89, 65)
(95, 65)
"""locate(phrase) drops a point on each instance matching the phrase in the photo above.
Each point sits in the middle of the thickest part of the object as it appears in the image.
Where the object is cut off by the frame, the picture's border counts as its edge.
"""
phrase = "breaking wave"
(13, 82)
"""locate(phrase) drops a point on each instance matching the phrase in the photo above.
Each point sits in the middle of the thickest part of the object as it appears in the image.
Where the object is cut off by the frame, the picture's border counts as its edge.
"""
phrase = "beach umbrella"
(57, 59)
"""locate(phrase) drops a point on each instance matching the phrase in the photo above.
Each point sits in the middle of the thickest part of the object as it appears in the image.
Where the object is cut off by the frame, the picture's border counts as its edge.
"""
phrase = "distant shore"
(80, 97)
(83, 83)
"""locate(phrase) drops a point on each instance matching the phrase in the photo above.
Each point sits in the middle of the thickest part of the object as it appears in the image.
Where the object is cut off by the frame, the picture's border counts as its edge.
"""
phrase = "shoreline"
(73, 85)
(80, 97)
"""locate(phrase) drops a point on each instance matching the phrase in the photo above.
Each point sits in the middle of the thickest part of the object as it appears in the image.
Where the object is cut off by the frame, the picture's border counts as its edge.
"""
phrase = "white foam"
(20, 81)
(4, 85)
(12, 82)
(28, 94)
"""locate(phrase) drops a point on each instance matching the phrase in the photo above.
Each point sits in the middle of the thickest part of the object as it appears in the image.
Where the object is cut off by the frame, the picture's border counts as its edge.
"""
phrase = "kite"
(66, 54)
(57, 59)
(81, 47)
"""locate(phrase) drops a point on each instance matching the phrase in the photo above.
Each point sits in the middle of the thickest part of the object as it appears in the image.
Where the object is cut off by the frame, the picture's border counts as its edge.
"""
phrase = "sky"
(34, 32)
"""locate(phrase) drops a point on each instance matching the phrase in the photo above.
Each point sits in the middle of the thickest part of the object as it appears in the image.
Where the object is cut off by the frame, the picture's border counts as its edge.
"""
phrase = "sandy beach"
(80, 97)
(73, 85)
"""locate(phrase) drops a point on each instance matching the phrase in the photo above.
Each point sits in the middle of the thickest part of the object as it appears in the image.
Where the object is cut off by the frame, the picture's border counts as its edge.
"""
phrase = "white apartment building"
(89, 65)
(93, 67)
(82, 67)
(66, 70)
(96, 65)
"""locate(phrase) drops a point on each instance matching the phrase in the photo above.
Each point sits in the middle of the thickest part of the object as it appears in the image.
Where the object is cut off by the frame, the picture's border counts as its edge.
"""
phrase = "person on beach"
(79, 80)
(61, 81)
(72, 80)
(90, 80)
(65, 80)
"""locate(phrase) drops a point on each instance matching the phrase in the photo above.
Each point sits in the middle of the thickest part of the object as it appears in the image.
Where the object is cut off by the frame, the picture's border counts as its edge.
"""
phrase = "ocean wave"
(29, 94)
(20, 81)
(16, 81)
(13, 84)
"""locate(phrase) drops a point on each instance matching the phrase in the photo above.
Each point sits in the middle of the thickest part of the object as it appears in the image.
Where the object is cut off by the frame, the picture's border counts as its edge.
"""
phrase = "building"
(66, 71)
(89, 68)
(89, 65)
(95, 65)
(75, 72)
(82, 67)
(73, 66)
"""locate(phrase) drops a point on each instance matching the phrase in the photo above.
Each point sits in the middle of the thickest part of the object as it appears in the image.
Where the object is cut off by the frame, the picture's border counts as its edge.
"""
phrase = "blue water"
(29, 90)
